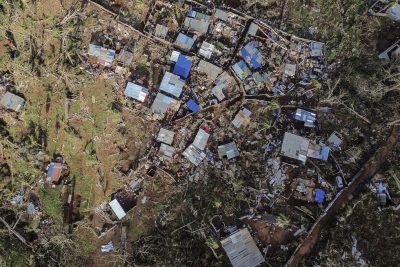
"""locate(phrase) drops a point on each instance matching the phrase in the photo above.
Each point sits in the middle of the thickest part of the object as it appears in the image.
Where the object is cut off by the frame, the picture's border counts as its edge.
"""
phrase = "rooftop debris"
(107, 247)
(305, 116)
(242, 250)
(184, 42)
(101, 55)
(241, 70)
(136, 91)
(192, 105)
(196, 21)
(252, 55)
(12, 102)
(299, 148)
(242, 119)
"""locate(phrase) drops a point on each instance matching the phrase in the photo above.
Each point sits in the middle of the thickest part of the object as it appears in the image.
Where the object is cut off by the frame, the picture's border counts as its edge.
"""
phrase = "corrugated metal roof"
(13, 102)
(118, 210)
(200, 141)
(241, 249)
(184, 42)
(229, 150)
(166, 136)
(166, 150)
(307, 117)
(54, 171)
(194, 154)
(163, 103)
(222, 14)
(172, 84)
(295, 147)
(136, 91)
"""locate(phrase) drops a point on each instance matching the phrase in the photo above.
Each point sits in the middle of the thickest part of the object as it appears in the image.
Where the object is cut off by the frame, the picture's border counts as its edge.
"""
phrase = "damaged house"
(100, 55)
(196, 22)
(242, 250)
(309, 118)
(299, 148)
(164, 105)
(229, 151)
(195, 152)
(12, 102)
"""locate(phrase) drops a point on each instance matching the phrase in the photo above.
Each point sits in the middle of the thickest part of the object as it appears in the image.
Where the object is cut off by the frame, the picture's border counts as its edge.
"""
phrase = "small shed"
(241, 249)
(223, 83)
(166, 136)
(54, 171)
(319, 196)
(335, 140)
(183, 66)
(201, 139)
(229, 150)
(316, 49)
(184, 42)
(117, 209)
(125, 57)
(102, 55)
(136, 91)
(13, 102)
(309, 118)
(394, 12)
(192, 106)
(172, 84)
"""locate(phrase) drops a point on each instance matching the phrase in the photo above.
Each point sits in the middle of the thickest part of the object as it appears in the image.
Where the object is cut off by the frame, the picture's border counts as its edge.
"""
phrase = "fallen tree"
(366, 172)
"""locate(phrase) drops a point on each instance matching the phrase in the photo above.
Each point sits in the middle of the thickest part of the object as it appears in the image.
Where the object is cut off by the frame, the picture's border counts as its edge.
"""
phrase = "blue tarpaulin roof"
(319, 196)
(183, 66)
(252, 55)
(192, 105)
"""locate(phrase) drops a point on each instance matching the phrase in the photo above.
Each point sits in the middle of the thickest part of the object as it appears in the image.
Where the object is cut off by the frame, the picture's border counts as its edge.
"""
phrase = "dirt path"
(365, 173)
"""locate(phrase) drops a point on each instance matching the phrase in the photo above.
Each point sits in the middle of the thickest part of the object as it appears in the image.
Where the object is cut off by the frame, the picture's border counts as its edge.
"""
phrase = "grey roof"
(290, 69)
(13, 102)
(241, 249)
(163, 103)
(253, 29)
(136, 91)
(125, 56)
(335, 140)
(394, 12)
(211, 70)
(229, 150)
(206, 50)
(197, 25)
(194, 154)
(184, 42)
(167, 150)
(295, 147)
(161, 31)
(172, 84)
(242, 118)
(166, 136)
(200, 141)
(222, 82)
(222, 14)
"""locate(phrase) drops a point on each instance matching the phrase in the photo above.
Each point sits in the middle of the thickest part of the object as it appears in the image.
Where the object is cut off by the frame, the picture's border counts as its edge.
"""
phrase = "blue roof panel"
(192, 105)
(183, 66)
(319, 196)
